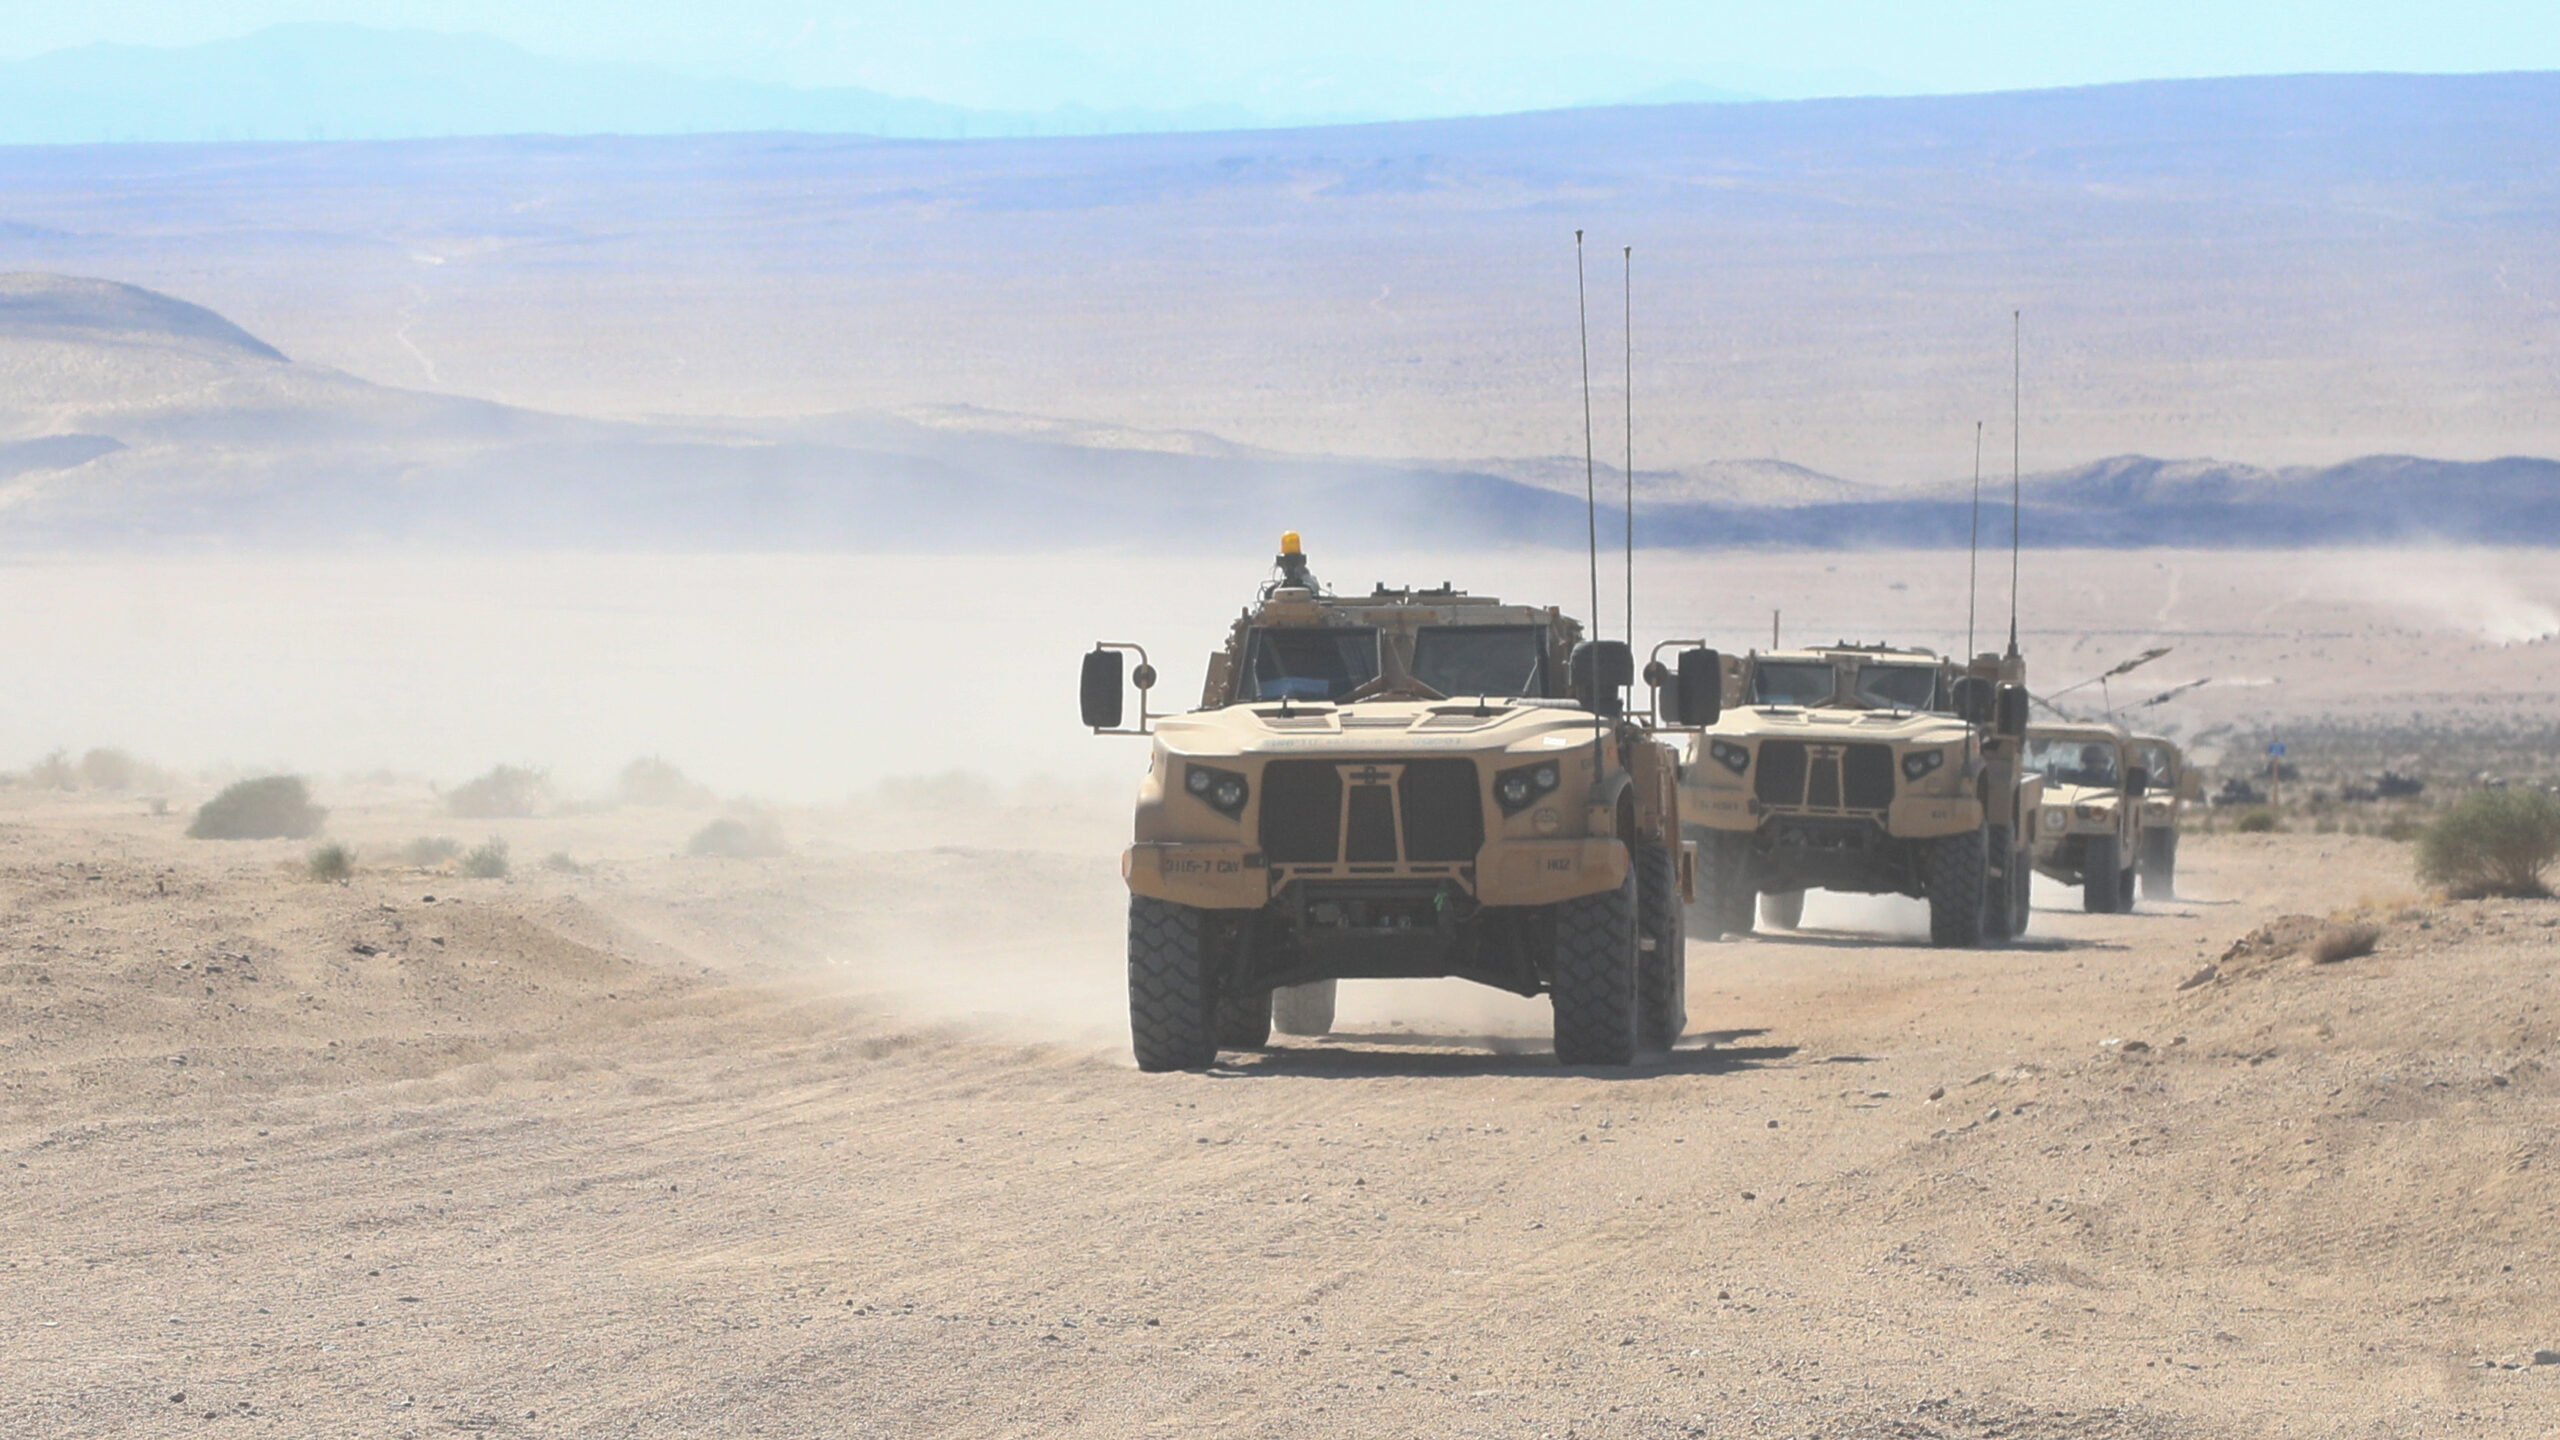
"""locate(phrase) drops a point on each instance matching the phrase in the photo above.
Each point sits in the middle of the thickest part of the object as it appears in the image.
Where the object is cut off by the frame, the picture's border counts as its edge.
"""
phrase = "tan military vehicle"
(2172, 783)
(1866, 769)
(2091, 829)
(1402, 784)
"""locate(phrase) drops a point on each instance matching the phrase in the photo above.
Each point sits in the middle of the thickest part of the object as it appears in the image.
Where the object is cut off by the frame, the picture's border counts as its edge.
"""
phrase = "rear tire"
(1723, 906)
(2124, 890)
(2101, 874)
(1782, 909)
(1171, 986)
(1959, 874)
(1244, 1020)
(2160, 864)
(1594, 981)
(1662, 971)
(2022, 890)
(1999, 907)
(1303, 1009)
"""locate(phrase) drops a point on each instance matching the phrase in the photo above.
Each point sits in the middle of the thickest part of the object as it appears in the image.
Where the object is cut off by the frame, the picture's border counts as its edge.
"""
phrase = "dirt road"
(838, 1145)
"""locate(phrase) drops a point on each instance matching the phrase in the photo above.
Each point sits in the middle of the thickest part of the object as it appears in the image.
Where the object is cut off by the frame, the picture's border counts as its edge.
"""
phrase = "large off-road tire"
(1595, 977)
(1303, 1009)
(2022, 889)
(1959, 872)
(1662, 958)
(2102, 875)
(1782, 909)
(1999, 908)
(2124, 888)
(1172, 985)
(1724, 902)
(1244, 1020)
(2160, 863)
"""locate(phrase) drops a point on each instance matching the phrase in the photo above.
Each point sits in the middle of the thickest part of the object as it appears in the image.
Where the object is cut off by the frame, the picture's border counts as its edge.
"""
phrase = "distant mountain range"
(132, 419)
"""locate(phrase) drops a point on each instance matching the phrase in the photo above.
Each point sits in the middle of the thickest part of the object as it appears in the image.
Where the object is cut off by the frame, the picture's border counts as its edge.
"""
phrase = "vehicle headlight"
(2055, 817)
(2091, 812)
(1221, 790)
(1921, 762)
(1516, 790)
(1736, 758)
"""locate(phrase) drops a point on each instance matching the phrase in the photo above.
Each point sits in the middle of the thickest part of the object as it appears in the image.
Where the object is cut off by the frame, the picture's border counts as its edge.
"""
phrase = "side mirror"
(2009, 712)
(1974, 700)
(1599, 670)
(2137, 782)
(1699, 694)
(1101, 690)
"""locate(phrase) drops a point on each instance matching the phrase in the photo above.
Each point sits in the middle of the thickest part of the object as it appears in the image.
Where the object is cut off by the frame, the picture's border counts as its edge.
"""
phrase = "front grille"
(1802, 775)
(1308, 820)
(1301, 812)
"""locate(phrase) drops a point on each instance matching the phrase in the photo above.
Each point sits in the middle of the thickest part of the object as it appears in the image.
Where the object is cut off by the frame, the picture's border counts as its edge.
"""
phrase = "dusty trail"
(630, 1152)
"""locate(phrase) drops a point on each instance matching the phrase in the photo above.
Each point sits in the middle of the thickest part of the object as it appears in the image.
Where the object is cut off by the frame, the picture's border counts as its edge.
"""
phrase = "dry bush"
(561, 862)
(487, 860)
(333, 861)
(429, 851)
(652, 781)
(273, 807)
(2256, 822)
(2344, 942)
(2493, 842)
(507, 792)
(755, 837)
(54, 772)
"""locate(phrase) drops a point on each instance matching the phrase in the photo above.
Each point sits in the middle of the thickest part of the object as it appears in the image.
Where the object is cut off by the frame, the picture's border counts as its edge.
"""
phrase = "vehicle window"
(1307, 664)
(1790, 682)
(2155, 758)
(1898, 687)
(1480, 660)
(2073, 762)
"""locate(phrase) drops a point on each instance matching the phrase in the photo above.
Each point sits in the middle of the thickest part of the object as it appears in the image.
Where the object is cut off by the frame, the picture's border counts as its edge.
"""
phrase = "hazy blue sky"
(1436, 56)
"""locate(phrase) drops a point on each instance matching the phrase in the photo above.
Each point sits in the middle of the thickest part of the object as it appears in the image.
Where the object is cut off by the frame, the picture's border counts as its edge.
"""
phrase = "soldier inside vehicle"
(2064, 763)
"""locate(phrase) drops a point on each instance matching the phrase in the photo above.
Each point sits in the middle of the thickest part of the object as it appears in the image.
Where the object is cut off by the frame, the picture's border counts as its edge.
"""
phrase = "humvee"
(1864, 768)
(1402, 784)
(2171, 785)
(2091, 828)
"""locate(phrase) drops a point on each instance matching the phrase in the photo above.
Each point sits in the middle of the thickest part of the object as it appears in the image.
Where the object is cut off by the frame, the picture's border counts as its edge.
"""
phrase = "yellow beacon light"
(1289, 542)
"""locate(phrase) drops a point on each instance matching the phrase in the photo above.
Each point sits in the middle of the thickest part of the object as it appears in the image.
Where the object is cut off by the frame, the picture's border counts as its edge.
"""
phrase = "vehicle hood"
(1372, 727)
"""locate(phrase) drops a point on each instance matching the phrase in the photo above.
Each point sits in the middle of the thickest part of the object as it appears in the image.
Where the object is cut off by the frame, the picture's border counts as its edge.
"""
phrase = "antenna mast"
(1629, 257)
(1973, 554)
(1590, 481)
(2017, 414)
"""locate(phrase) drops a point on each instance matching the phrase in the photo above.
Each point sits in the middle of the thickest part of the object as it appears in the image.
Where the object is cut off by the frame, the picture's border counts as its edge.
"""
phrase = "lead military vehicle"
(1870, 769)
(2172, 783)
(1407, 783)
(2090, 831)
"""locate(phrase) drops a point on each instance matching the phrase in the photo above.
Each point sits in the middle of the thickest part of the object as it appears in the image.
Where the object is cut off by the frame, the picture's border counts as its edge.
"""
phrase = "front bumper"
(1229, 876)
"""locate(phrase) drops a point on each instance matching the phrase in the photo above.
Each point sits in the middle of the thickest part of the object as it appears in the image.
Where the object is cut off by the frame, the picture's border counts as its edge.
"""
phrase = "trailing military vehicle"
(1868, 769)
(2172, 783)
(1402, 784)
(2090, 831)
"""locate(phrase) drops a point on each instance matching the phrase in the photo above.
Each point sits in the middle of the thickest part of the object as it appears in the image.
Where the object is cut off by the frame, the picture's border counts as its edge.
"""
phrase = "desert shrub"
(54, 772)
(2256, 822)
(273, 807)
(333, 861)
(2493, 842)
(112, 769)
(2400, 828)
(428, 851)
(487, 860)
(2344, 942)
(507, 792)
(652, 781)
(560, 862)
(754, 837)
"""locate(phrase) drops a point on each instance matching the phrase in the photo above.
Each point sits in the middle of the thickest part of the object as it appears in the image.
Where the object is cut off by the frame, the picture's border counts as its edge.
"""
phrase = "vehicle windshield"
(1790, 682)
(2073, 762)
(1898, 687)
(2155, 758)
(1480, 659)
(1307, 663)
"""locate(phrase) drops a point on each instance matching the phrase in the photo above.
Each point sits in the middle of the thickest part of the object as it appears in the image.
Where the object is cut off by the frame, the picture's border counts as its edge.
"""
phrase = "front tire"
(1782, 909)
(2101, 874)
(1172, 990)
(1305, 1010)
(1999, 897)
(1594, 981)
(2160, 864)
(1723, 906)
(1959, 874)
(1662, 959)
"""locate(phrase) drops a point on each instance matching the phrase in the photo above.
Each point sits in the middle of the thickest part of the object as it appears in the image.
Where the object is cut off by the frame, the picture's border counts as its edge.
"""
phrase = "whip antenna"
(1630, 261)
(1973, 556)
(2017, 413)
(1590, 481)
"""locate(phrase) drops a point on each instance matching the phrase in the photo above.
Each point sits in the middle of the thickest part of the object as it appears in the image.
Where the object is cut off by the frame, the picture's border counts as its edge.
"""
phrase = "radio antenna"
(1629, 257)
(1973, 557)
(2017, 423)
(1590, 481)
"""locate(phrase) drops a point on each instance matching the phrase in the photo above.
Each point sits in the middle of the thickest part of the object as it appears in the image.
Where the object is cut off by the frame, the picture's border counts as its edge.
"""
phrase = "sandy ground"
(848, 1143)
